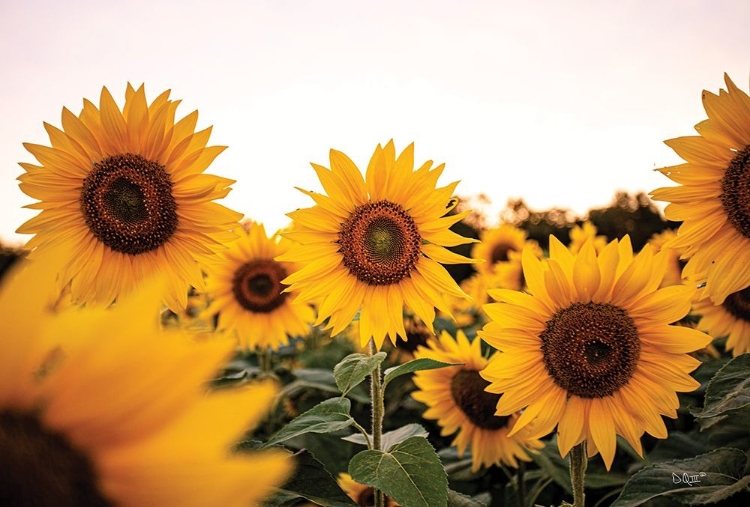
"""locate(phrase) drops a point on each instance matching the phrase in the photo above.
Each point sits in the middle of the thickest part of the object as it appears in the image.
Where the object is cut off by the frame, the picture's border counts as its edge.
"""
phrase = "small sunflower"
(375, 244)
(590, 349)
(248, 294)
(713, 200)
(730, 319)
(579, 234)
(126, 190)
(456, 397)
(658, 242)
(97, 407)
(501, 246)
(363, 496)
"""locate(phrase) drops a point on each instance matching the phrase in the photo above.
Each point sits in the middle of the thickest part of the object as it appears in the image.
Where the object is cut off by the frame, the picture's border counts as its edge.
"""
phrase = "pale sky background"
(559, 102)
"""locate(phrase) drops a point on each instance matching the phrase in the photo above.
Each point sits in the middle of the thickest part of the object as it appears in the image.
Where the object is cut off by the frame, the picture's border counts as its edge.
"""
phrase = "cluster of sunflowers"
(104, 402)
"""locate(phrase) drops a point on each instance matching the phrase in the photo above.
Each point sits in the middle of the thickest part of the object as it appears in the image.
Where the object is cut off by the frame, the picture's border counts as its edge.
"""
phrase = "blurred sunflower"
(590, 349)
(579, 234)
(245, 284)
(364, 496)
(417, 334)
(113, 416)
(456, 397)
(500, 246)
(658, 242)
(713, 200)
(730, 319)
(375, 244)
(126, 191)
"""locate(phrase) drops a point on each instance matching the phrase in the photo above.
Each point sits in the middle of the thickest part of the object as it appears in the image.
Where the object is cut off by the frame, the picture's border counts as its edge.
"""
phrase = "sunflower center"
(735, 192)
(416, 334)
(467, 389)
(738, 304)
(500, 252)
(380, 243)
(128, 205)
(591, 349)
(257, 286)
(40, 467)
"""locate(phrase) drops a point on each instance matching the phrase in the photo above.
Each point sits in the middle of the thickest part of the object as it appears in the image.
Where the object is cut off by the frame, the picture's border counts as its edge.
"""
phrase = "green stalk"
(578, 463)
(378, 412)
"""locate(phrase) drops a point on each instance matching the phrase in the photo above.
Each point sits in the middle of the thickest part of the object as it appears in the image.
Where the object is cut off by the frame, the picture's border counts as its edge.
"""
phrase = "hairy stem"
(378, 409)
(578, 463)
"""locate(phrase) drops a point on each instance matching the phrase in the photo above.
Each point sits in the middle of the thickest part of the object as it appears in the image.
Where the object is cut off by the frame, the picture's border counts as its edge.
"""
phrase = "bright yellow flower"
(501, 246)
(125, 191)
(713, 201)
(248, 294)
(730, 319)
(375, 244)
(579, 234)
(590, 348)
(117, 413)
(456, 397)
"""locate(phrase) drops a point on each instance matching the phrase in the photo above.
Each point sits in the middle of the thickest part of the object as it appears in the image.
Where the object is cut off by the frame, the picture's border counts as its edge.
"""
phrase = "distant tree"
(539, 224)
(635, 215)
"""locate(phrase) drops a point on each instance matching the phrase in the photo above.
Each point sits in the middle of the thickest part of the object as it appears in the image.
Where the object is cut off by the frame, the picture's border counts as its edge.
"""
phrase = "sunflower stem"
(378, 410)
(578, 463)
(264, 359)
(521, 483)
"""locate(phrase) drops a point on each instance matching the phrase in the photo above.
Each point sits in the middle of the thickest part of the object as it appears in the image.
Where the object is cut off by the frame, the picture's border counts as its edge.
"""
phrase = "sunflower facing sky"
(713, 199)
(126, 189)
(589, 349)
(375, 244)
(97, 407)
(247, 292)
(456, 397)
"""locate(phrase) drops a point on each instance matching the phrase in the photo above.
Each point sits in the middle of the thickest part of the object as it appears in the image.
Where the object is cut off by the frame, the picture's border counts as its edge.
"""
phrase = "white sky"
(558, 102)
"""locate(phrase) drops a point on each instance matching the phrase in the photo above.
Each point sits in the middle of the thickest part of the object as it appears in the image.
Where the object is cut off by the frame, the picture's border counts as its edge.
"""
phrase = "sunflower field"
(387, 348)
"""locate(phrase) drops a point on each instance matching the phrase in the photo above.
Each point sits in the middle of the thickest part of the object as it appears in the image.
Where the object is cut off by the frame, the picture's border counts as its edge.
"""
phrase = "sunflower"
(374, 244)
(112, 416)
(658, 242)
(126, 191)
(713, 200)
(579, 234)
(364, 496)
(730, 319)
(590, 349)
(501, 246)
(456, 397)
(248, 294)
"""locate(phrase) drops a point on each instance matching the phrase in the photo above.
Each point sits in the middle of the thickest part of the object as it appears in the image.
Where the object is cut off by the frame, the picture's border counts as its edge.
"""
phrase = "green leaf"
(312, 481)
(456, 499)
(354, 368)
(322, 380)
(391, 438)
(412, 366)
(410, 473)
(727, 393)
(704, 479)
(327, 417)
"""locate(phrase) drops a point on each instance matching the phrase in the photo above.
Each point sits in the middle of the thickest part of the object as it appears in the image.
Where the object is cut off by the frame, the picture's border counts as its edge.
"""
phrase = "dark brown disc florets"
(591, 349)
(380, 243)
(468, 391)
(127, 204)
(735, 192)
(257, 285)
(40, 467)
